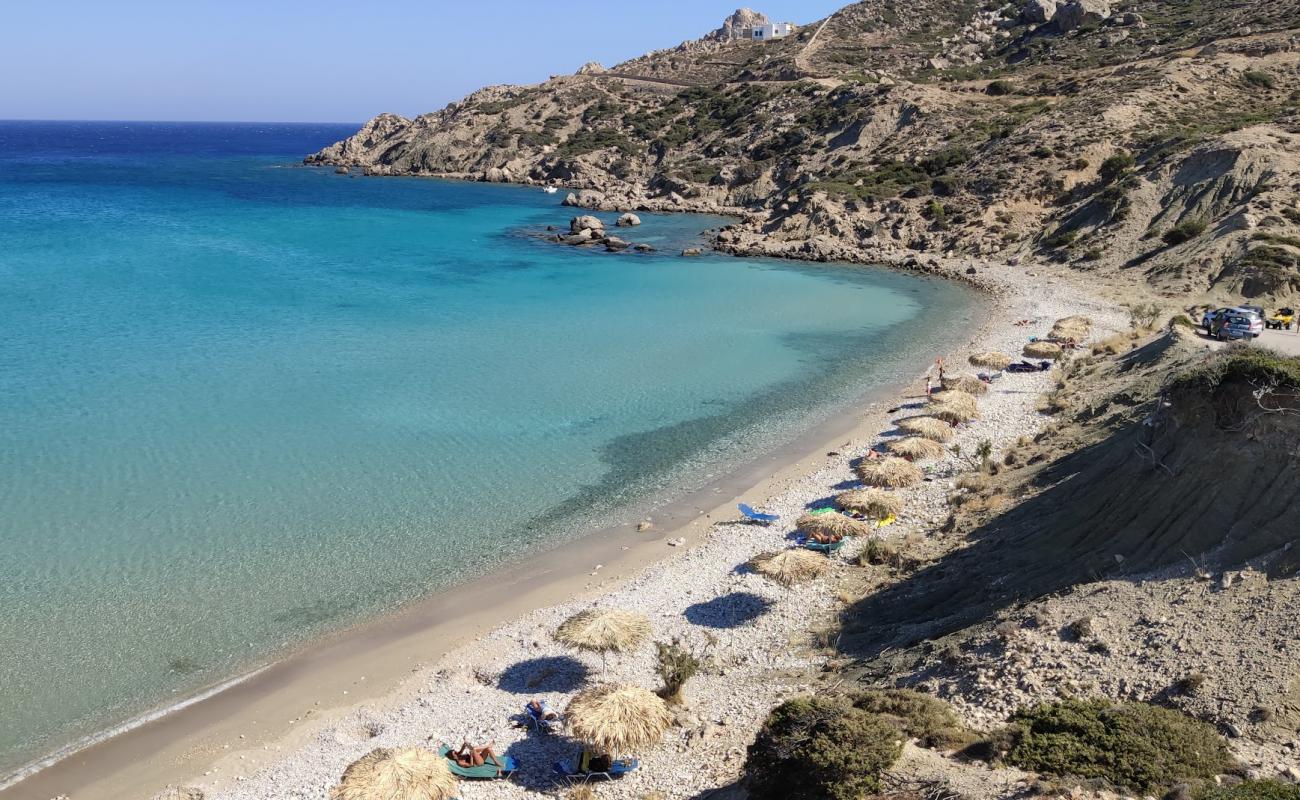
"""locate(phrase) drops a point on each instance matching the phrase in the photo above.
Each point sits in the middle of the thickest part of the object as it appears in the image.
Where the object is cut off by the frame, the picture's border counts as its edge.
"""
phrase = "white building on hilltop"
(748, 25)
(767, 31)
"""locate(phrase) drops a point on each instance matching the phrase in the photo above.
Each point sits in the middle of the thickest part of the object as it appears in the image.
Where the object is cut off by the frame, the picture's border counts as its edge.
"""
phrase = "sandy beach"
(462, 664)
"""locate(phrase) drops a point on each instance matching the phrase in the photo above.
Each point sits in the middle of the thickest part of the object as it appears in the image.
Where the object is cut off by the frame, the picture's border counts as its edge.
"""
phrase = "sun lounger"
(489, 771)
(812, 544)
(757, 516)
(540, 721)
(569, 770)
(1025, 366)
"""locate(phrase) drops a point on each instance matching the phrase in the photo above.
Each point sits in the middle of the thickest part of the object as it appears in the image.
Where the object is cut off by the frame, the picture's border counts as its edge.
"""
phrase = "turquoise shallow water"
(244, 402)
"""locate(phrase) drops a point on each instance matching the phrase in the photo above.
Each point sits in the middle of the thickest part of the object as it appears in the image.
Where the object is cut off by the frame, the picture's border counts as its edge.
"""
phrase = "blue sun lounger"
(547, 721)
(757, 516)
(571, 770)
(810, 544)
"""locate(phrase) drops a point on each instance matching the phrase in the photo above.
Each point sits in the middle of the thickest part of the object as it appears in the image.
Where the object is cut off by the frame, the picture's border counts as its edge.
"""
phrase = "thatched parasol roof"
(178, 793)
(890, 471)
(604, 630)
(874, 503)
(966, 403)
(617, 719)
(789, 567)
(929, 427)
(1060, 331)
(1047, 350)
(412, 773)
(832, 524)
(992, 360)
(916, 447)
(951, 414)
(966, 383)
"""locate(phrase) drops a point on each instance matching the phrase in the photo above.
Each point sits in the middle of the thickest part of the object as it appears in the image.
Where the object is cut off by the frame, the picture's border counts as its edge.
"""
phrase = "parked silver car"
(1250, 313)
(1236, 326)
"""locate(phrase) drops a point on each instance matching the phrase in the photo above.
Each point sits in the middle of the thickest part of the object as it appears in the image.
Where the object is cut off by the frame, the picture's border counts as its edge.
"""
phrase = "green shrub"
(816, 748)
(1142, 315)
(917, 715)
(1185, 231)
(1061, 239)
(1116, 165)
(999, 87)
(1258, 367)
(1259, 78)
(1133, 745)
(676, 666)
(1093, 254)
(1253, 790)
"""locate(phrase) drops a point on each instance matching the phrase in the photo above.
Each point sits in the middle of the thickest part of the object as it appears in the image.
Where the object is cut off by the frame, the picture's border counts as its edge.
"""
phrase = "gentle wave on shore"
(246, 405)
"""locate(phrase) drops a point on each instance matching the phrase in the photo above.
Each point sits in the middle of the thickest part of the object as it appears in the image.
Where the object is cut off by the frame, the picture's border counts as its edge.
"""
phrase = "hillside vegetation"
(1151, 142)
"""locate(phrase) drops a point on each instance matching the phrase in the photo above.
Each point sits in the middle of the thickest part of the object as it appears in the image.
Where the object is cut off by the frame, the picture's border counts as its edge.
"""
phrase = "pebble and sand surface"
(755, 630)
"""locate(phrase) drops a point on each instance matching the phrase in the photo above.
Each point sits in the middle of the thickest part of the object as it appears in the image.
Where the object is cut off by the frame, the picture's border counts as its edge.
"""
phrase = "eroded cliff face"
(1122, 145)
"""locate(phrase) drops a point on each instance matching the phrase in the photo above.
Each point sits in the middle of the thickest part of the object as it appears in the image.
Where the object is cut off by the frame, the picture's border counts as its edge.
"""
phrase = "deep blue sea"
(245, 402)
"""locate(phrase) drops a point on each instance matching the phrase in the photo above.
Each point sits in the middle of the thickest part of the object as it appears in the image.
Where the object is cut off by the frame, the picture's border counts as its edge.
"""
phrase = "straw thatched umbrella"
(915, 447)
(618, 719)
(179, 793)
(929, 427)
(832, 524)
(873, 503)
(789, 567)
(966, 383)
(961, 401)
(1067, 331)
(1047, 350)
(604, 631)
(412, 773)
(992, 360)
(891, 471)
(951, 414)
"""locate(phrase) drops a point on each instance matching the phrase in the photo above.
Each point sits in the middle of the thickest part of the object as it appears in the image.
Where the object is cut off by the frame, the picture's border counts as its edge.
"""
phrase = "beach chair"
(818, 547)
(539, 720)
(505, 767)
(757, 516)
(570, 769)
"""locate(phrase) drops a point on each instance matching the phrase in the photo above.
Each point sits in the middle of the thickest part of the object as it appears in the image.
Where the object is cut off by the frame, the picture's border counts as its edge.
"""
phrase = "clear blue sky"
(321, 61)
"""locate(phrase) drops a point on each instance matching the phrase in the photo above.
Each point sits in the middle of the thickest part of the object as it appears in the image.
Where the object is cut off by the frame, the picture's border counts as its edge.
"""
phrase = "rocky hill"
(1155, 143)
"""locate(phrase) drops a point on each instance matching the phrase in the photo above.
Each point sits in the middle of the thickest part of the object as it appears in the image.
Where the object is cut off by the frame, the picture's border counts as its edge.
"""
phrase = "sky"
(320, 61)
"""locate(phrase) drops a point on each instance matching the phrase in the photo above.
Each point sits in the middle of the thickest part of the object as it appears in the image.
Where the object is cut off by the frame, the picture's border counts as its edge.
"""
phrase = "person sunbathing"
(821, 537)
(542, 711)
(595, 762)
(469, 756)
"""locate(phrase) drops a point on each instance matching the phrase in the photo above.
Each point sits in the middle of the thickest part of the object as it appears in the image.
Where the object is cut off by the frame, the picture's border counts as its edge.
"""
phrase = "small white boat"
(550, 190)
